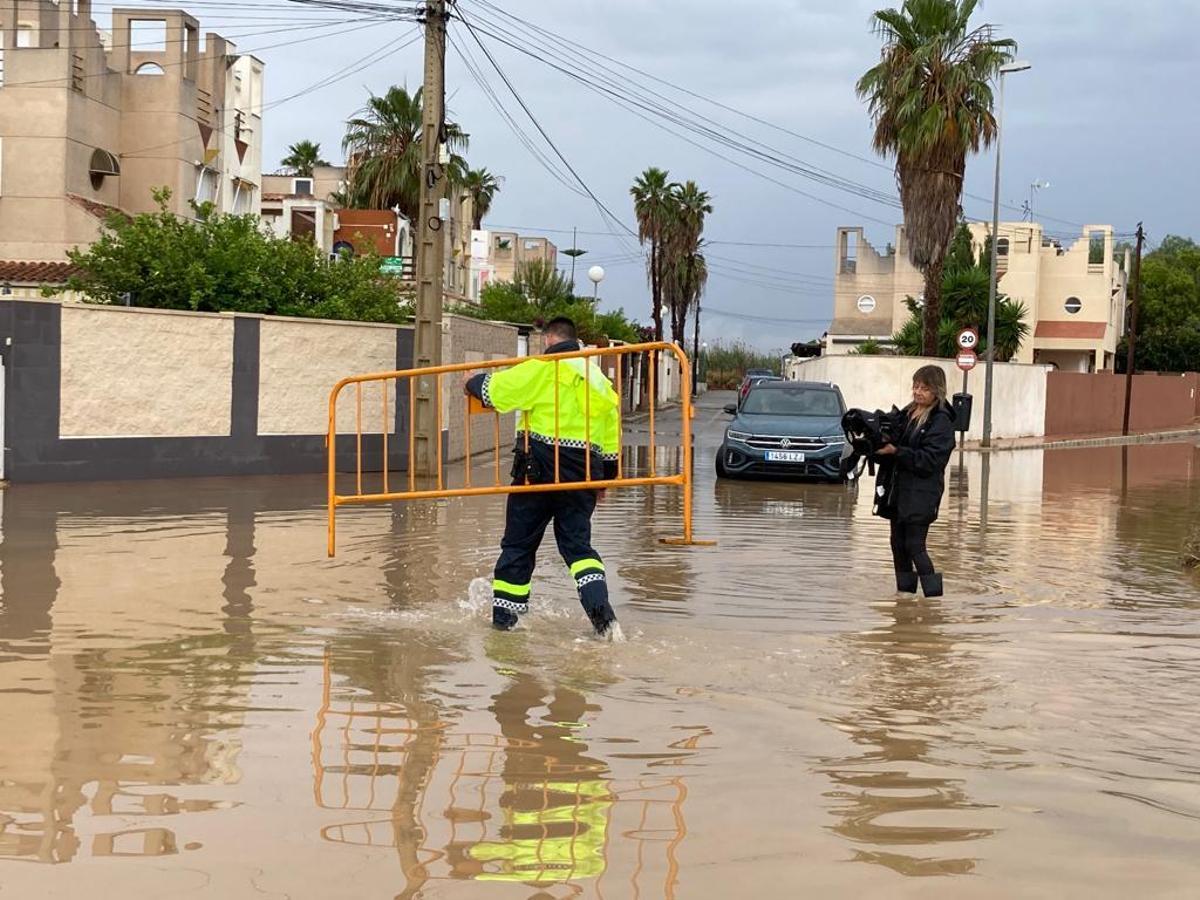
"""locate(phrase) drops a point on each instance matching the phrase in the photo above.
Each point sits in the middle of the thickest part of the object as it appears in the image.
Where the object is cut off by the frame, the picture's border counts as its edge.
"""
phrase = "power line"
(742, 113)
(333, 78)
(66, 79)
(491, 96)
(627, 103)
(516, 95)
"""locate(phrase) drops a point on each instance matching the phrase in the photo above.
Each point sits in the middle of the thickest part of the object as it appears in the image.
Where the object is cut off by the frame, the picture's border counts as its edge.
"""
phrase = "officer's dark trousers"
(525, 523)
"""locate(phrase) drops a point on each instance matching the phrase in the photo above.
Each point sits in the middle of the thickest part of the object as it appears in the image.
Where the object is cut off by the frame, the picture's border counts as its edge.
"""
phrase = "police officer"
(587, 410)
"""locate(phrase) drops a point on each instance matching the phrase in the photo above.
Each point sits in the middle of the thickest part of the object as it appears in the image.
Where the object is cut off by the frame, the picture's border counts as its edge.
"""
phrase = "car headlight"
(740, 436)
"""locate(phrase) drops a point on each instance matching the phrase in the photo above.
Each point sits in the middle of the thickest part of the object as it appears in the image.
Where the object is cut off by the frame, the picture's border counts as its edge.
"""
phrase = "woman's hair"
(934, 378)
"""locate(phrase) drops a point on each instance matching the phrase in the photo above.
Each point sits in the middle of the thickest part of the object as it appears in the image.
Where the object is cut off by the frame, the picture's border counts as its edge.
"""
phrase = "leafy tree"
(930, 97)
(483, 186)
(1169, 318)
(537, 296)
(383, 147)
(302, 158)
(542, 285)
(226, 263)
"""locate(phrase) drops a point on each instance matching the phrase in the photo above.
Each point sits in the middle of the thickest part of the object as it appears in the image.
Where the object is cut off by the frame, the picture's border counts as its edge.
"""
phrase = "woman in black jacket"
(911, 480)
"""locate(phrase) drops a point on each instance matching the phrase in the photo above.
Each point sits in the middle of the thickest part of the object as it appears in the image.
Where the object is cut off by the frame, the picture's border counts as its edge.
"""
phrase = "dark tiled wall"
(30, 343)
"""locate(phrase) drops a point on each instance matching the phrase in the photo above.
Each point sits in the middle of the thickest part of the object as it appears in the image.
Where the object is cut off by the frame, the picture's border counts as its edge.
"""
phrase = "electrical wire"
(632, 106)
(371, 59)
(582, 49)
(605, 211)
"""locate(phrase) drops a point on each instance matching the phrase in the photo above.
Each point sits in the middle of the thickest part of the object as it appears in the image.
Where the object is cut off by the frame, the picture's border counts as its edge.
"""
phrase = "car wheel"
(721, 473)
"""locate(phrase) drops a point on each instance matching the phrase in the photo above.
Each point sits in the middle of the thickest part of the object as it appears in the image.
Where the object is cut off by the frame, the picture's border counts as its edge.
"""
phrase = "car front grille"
(776, 442)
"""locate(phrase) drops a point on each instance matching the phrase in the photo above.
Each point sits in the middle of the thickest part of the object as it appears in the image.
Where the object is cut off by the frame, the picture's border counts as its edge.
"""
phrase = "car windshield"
(796, 402)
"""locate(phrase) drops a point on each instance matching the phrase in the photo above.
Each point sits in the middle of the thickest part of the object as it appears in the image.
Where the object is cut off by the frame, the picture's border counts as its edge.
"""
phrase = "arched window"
(150, 68)
(1002, 247)
(1073, 305)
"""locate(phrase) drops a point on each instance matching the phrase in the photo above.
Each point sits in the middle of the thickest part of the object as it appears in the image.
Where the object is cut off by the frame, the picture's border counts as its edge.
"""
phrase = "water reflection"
(171, 652)
(914, 687)
(524, 800)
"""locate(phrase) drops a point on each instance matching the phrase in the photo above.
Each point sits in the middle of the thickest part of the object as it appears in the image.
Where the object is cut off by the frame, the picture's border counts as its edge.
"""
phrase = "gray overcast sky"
(1109, 115)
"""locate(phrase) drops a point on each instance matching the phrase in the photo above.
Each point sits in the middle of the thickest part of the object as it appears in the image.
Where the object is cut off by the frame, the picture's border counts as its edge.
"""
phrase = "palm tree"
(684, 262)
(383, 147)
(302, 158)
(931, 100)
(482, 186)
(652, 205)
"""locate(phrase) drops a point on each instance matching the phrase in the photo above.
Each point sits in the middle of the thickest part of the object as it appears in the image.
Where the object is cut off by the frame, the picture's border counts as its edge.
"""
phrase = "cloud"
(1102, 116)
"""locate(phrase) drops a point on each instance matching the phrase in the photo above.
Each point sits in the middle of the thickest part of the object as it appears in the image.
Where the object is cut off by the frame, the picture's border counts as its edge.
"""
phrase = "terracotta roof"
(95, 207)
(37, 272)
(1083, 331)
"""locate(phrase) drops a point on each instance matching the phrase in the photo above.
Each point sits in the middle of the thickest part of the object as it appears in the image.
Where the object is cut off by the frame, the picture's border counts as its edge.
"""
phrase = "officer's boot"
(593, 595)
(509, 601)
(906, 582)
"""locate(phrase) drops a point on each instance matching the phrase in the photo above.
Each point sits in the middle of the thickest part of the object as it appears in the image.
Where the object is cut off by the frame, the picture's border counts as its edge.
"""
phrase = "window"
(302, 187)
(102, 165)
(150, 69)
(26, 35)
(1073, 305)
(206, 185)
(1002, 247)
(791, 402)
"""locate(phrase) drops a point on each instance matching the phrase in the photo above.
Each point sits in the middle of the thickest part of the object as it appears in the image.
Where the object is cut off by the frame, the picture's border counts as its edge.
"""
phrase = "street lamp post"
(992, 281)
(574, 253)
(595, 275)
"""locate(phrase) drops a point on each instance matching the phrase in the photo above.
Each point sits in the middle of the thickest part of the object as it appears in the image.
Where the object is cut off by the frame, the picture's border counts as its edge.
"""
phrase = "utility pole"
(696, 353)
(431, 241)
(1130, 358)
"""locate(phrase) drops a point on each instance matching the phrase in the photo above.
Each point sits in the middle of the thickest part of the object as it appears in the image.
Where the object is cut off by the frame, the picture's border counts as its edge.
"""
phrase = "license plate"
(784, 456)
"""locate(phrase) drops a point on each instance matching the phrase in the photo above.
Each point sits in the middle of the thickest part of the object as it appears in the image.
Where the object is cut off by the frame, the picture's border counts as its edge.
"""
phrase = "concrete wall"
(300, 360)
(878, 382)
(470, 340)
(1080, 404)
(144, 373)
(99, 392)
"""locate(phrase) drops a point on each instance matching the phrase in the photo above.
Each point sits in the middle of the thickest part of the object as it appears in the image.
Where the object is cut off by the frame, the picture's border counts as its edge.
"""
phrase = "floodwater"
(194, 702)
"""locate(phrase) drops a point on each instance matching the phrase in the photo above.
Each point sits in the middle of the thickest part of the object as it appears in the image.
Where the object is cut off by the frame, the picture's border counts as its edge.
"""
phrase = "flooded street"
(195, 702)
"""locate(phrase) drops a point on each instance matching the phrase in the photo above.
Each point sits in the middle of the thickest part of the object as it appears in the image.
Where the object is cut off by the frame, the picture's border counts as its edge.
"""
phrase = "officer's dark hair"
(562, 329)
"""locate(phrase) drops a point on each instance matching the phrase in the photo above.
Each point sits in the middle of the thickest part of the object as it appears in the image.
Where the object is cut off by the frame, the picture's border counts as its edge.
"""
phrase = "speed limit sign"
(968, 339)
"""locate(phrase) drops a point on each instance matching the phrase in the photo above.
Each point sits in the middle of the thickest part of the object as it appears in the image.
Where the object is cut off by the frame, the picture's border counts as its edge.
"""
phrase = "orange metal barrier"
(438, 489)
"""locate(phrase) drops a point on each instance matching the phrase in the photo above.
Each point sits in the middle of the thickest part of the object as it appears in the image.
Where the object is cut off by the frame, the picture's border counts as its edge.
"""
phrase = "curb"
(1155, 437)
(640, 417)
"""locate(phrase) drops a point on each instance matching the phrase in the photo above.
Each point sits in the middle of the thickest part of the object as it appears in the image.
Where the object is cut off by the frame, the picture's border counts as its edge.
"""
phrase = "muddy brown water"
(194, 702)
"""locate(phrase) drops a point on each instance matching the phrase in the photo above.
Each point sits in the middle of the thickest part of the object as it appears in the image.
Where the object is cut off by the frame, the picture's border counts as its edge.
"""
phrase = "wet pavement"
(194, 702)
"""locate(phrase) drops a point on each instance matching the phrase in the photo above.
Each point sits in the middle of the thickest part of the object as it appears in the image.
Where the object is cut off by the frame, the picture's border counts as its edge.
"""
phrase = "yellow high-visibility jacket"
(588, 408)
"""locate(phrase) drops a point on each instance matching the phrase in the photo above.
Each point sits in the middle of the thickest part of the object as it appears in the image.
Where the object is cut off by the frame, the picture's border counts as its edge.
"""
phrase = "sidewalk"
(1095, 440)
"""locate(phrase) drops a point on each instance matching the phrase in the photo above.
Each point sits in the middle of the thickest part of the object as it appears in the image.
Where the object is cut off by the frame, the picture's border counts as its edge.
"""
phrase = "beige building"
(1075, 294)
(93, 122)
(496, 255)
